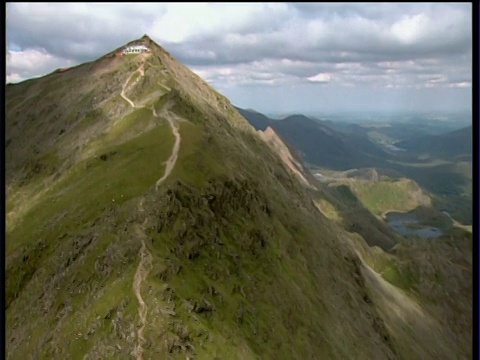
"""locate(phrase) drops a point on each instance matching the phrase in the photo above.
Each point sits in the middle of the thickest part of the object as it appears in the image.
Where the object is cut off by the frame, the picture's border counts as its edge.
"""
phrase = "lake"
(407, 224)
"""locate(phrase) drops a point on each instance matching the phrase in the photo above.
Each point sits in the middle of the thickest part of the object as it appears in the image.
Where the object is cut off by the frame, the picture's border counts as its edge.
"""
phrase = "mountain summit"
(146, 218)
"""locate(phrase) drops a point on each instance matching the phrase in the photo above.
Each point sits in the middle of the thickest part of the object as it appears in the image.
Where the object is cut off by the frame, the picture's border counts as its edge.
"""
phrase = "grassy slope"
(68, 246)
(382, 196)
(77, 214)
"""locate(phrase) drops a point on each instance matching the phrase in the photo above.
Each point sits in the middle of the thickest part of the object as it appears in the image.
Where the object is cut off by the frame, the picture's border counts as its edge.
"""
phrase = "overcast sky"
(272, 57)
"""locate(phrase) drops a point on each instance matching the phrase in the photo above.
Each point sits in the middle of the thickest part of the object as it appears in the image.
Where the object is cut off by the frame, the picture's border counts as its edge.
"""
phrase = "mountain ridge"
(115, 250)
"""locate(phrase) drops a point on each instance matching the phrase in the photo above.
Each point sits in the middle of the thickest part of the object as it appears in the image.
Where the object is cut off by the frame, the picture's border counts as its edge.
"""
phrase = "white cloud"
(410, 28)
(463, 84)
(21, 64)
(322, 78)
(183, 21)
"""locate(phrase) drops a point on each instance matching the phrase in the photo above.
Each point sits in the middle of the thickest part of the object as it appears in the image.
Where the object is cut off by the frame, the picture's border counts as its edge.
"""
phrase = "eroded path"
(124, 87)
(145, 263)
(143, 269)
(174, 155)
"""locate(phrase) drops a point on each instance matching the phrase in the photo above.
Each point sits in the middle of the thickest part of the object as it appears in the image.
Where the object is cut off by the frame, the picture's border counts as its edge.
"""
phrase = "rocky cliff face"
(292, 163)
(146, 218)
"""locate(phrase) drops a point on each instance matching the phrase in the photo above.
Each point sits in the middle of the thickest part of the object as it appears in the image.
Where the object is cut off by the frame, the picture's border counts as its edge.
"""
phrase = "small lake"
(407, 224)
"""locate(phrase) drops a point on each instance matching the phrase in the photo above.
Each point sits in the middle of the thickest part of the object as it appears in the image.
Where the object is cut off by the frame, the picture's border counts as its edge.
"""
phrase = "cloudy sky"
(272, 57)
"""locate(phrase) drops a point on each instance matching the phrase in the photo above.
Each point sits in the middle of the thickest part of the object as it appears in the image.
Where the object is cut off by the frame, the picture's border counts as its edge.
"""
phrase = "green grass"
(127, 172)
(329, 210)
(403, 279)
(124, 129)
(37, 171)
(382, 196)
(111, 297)
(190, 167)
(75, 201)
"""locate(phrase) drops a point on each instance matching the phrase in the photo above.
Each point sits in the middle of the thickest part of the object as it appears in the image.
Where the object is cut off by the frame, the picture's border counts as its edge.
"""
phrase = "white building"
(136, 49)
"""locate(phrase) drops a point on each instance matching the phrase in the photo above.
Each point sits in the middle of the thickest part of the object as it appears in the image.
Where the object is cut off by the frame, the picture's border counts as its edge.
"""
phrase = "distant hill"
(452, 144)
(321, 145)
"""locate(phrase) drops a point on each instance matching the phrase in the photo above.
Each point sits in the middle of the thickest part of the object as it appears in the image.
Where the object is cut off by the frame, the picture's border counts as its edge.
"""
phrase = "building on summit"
(135, 49)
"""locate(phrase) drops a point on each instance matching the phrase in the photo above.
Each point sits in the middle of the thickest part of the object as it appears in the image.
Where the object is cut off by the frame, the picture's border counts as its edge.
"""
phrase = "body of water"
(407, 224)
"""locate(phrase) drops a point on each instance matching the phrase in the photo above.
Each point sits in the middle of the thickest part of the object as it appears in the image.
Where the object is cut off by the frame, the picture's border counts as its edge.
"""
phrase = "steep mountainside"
(287, 154)
(146, 218)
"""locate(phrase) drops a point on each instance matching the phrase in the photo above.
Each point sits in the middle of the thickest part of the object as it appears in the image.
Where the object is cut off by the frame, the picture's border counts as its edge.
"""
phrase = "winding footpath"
(145, 263)
(143, 269)
(173, 157)
(124, 87)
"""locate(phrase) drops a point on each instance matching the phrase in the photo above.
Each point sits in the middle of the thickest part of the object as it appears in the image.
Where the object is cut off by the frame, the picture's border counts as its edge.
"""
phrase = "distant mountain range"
(453, 144)
(320, 144)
